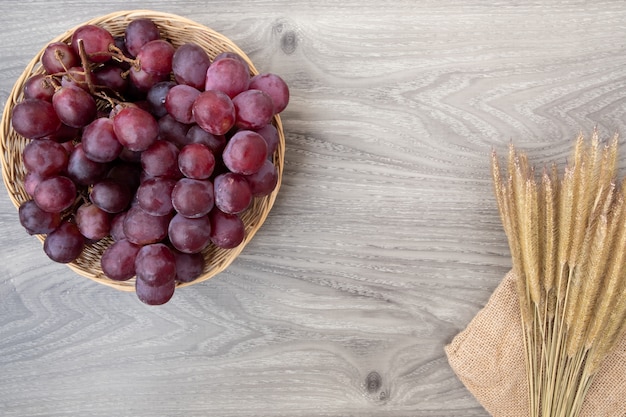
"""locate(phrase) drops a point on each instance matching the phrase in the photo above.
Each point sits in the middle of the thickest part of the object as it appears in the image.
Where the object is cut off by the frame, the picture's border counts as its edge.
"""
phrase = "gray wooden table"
(384, 241)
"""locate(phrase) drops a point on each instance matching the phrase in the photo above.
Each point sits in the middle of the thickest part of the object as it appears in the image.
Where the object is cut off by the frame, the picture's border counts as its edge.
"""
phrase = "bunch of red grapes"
(160, 148)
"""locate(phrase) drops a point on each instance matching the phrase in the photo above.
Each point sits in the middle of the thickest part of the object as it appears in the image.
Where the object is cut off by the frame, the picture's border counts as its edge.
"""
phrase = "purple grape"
(37, 221)
(39, 87)
(45, 157)
(64, 244)
(99, 141)
(274, 86)
(233, 55)
(58, 57)
(253, 109)
(193, 198)
(55, 194)
(126, 173)
(264, 181)
(155, 264)
(111, 77)
(154, 196)
(93, 223)
(270, 134)
(189, 266)
(190, 64)
(118, 260)
(34, 118)
(82, 170)
(74, 106)
(232, 193)
(214, 112)
(173, 131)
(155, 57)
(156, 97)
(196, 161)
(227, 230)
(96, 42)
(216, 143)
(64, 134)
(179, 102)
(110, 195)
(31, 181)
(139, 32)
(135, 128)
(154, 295)
(75, 77)
(227, 75)
(245, 152)
(142, 81)
(161, 160)
(142, 228)
(117, 227)
(189, 235)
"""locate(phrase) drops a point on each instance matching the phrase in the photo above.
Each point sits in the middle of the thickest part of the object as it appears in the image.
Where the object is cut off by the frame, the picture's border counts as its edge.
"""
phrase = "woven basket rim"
(12, 169)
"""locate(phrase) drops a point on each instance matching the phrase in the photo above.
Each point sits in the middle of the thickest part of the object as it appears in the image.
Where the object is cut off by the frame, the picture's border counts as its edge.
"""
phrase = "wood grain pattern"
(383, 243)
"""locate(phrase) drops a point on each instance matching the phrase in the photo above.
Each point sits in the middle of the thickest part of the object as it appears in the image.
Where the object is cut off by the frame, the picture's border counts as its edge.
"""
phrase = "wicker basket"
(177, 30)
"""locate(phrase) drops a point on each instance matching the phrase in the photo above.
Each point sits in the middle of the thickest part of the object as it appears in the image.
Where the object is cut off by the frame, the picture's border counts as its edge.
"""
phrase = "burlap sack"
(488, 357)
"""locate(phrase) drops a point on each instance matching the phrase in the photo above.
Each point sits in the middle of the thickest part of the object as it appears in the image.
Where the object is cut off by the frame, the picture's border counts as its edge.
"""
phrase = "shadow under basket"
(178, 30)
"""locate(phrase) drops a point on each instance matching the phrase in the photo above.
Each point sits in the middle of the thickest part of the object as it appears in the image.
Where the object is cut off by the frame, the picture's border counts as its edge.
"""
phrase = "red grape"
(232, 193)
(39, 87)
(189, 266)
(45, 157)
(93, 223)
(111, 77)
(138, 32)
(96, 41)
(215, 143)
(214, 112)
(270, 134)
(193, 198)
(263, 181)
(99, 141)
(118, 260)
(142, 228)
(179, 102)
(253, 109)
(161, 160)
(275, 87)
(155, 264)
(233, 55)
(173, 131)
(154, 294)
(82, 170)
(227, 75)
(189, 235)
(64, 244)
(227, 230)
(154, 196)
(55, 194)
(117, 226)
(245, 152)
(155, 57)
(34, 118)
(156, 97)
(58, 57)
(196, 161)
(135, 128)
(74, 106)
(190, 64)
(36, 220)
(110, 195)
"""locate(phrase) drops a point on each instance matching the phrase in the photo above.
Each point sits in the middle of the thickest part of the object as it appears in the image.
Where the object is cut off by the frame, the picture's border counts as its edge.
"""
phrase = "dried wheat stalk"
(567, 236)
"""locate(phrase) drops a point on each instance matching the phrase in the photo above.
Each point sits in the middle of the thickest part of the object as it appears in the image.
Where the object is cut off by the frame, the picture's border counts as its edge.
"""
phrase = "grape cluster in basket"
(160, 148)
